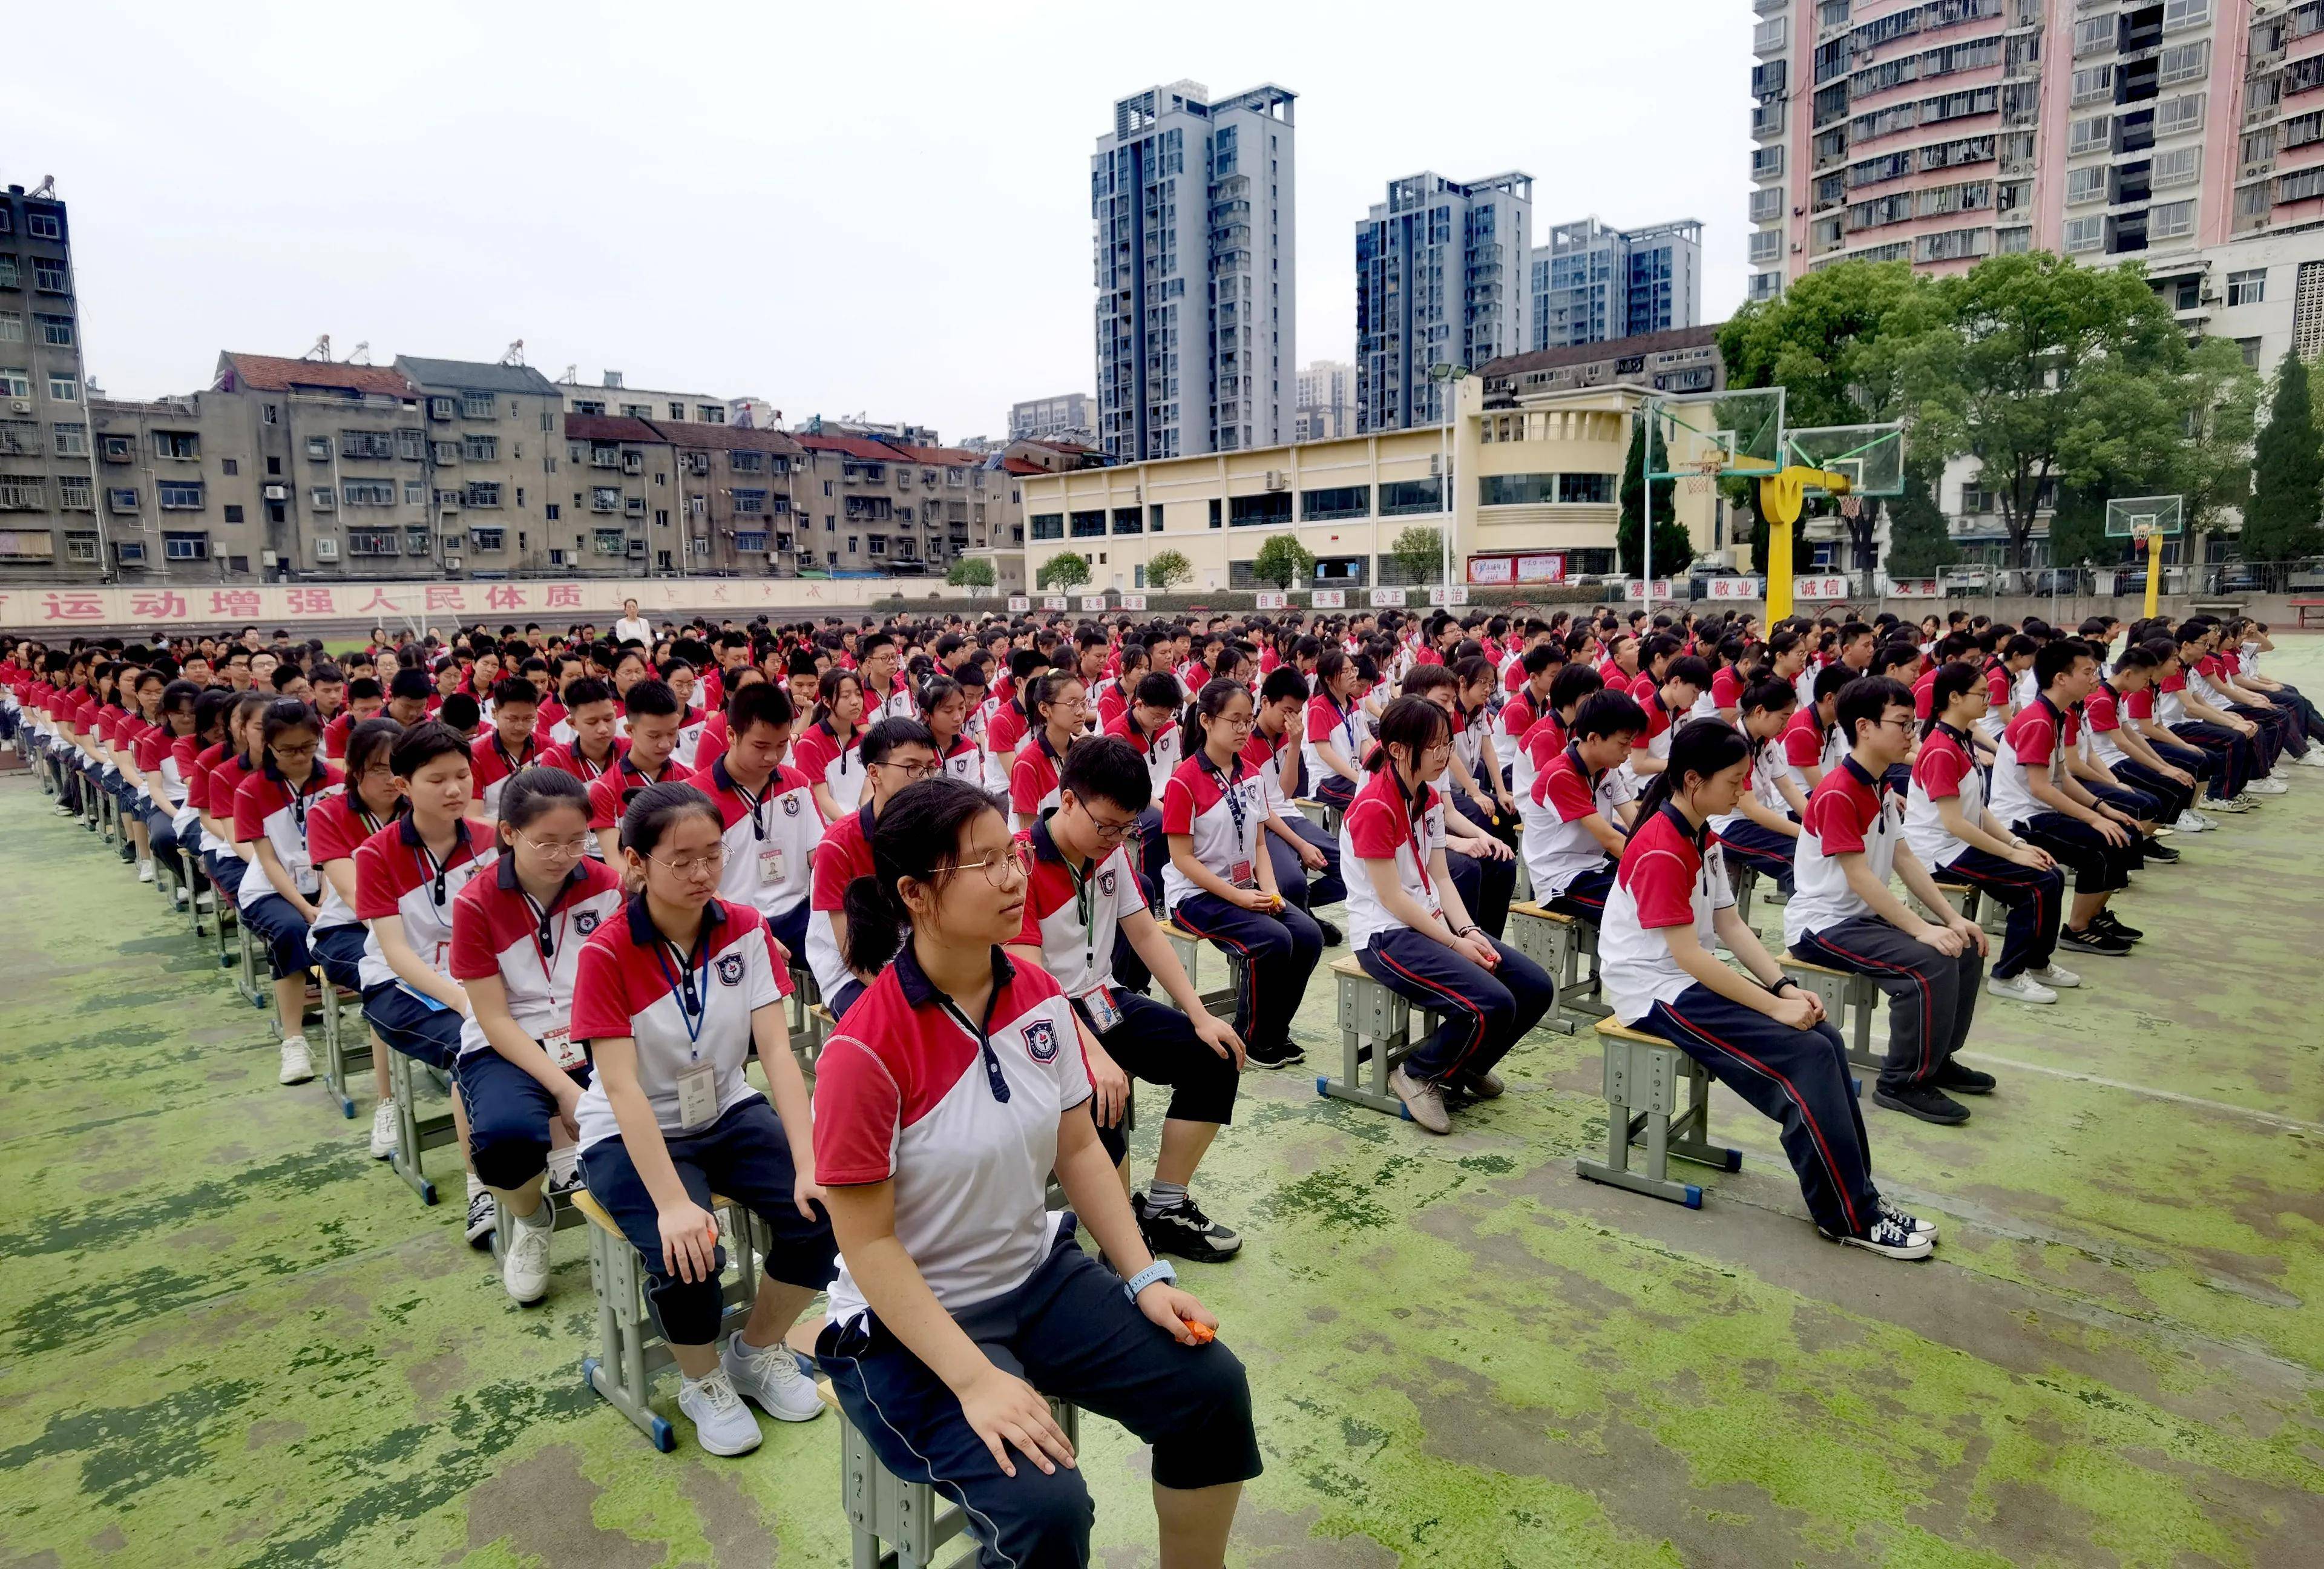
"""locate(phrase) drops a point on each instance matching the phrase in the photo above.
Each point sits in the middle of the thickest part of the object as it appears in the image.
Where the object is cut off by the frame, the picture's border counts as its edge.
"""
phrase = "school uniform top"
(1924, 692)
(844, 856)
(1033, 786)
(497, 930)
(1851, 811)
(1328, 723)
(1661, 724)
(491, 765)
(712, 742)
(686, 750)
(337, 826)
(612, 791)
(1071, 918)
(1512, 667)
(895, 703)
(1263, 755)
(1766, 765)
(960, 1115)
(2102, 715)
(685, 1011)
(2167, 702)
(1112, 702)
(826, 760)
(1726, 688)
(568, 757)
(1159, 747)
(396, 874)
(2034, 744)
(1222, 812)
(963, 760)
(1945, 770)
(1557, 847)
(1518, 715)
(226, 776)
(1382, 823)
(1469, 734)
(1809, 742)
(267, 806)
(769, 835)
(1665, 879)
(1004, 734)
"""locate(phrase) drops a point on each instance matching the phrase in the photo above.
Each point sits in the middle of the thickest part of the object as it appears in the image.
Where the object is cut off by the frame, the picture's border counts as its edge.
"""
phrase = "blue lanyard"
(693, 999)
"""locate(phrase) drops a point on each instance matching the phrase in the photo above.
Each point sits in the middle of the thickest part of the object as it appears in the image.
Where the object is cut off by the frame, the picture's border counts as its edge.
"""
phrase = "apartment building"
(48, 521)
(611, 396)
(1441, 273)
(868, 507)
(1682, 360)
(1191, 199)
(180, 495)
(495, 434)
(1591, 284)
(1325, 406)
(735, 493)
(1068, 416)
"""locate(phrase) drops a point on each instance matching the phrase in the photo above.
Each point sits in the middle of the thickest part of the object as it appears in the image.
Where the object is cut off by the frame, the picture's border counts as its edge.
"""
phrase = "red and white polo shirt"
(1159, 747)
(1849, 812)
(269, 807)
(1665, 879)
(612, 791)
(1382, 825)
(1033, 779)
(963, 760)
(1224, 812)
(1072, 920)
(2034, 744)
(397, 875)
(769, 834)
(492, 765)
(1557, 847)
(826, 761)
(687, 1012)
(960, 1115)
(1943, 772)
(1809, 742)
(335, 828)
(1332, 725)
(2102, 712)
(568, 757)
(535, 950)
(844, 856)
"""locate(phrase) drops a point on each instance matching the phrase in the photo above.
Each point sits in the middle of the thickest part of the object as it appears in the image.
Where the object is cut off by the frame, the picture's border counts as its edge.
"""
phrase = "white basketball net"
(1851, 506)
(1707, 469)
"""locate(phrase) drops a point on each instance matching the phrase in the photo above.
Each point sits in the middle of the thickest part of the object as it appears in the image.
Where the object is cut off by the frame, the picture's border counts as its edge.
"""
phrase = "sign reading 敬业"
(1731, 588)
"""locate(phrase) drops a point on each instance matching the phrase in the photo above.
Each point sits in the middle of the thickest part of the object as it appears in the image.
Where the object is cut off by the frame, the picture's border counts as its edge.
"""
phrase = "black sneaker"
(2159, 853)
(481, 1219)
(1184, 1230)
(1890, 1236)
(2095, 940)
(1964, 1081)
(1333, 936)
(2106, 920)
(1926, 1101)
(1287, 1054)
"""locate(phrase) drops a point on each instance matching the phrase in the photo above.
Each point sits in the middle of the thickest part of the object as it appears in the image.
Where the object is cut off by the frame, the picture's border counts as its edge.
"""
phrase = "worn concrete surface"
(227, 1337)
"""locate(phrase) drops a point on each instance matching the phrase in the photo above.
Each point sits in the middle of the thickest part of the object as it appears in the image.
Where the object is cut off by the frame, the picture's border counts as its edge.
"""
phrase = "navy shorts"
(744, 1156)
(509, 1113)
(418, 1029)
(282, 929)
(339, 950)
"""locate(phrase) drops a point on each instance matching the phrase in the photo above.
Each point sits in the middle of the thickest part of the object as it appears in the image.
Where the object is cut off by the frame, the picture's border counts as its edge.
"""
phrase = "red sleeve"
(1662, 887)
(1567, 796)
(829, 889)
(472, 957)
(857, 1106)
(601, 1004)
(1177, 807)
(1517, 718)
(250, 810)
(1996, 684)
(2031, 743)
(604, 801)
(329, 835)
(1803, 748)
(372, 900)
(1939, 773)
(2141, 705)
(1322, 718)
(1832, 818)
(1024, 784)
(1371, 830)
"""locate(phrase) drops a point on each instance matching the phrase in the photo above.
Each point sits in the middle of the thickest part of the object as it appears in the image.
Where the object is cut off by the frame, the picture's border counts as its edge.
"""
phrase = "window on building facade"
(179, 495)
(2248, 287)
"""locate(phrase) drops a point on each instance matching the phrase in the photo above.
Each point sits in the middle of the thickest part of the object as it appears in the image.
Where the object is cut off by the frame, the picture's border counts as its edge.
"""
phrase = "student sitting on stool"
(1763, 830)
(1306, 858)
(1843, 915)
(894, 753)
(1576, 833)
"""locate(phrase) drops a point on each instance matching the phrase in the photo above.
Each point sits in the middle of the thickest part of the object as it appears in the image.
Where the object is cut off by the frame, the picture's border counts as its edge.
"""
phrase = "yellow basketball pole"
(1781, 498)
(2154, 569)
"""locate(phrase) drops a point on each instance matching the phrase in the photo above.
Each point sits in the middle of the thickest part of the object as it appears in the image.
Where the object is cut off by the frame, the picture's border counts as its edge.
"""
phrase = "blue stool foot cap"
(664, 1436)
(1735, 1160)
(1322, 1086)
(1404, 1110)
(1694, 1196)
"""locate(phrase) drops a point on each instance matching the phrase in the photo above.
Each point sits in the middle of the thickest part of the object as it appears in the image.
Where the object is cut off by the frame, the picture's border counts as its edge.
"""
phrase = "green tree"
(1064, 571)
(1283, 560)
(1166, 568)
(1918, 540)
(972, 573)
(1835, 341)
(1420, 552)
(1674, 546)
(2288, 478)
(2077, 530)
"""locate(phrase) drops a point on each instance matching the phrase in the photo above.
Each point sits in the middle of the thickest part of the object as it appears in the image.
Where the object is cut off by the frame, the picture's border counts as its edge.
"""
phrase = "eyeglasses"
(1903, 722)
(914, 772)
(694, 866)
(1001, 870)
(1111, 833)
(573, 850)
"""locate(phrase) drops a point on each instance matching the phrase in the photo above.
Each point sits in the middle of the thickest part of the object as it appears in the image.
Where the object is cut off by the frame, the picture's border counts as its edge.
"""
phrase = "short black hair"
(891, 734)
(410, 683)
(2058, 657)
(1107, 769)
(1608, 714)
(421, 743)
(1870, 698)
(760, 703)
(651, 698)
(583, 690)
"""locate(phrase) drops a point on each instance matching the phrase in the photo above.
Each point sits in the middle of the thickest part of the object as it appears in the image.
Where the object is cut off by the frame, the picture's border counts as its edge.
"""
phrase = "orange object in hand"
(1203, 1333)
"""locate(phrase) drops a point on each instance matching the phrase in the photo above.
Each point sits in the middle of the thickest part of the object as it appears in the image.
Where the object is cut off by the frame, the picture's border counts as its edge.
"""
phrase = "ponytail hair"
(917, 835)
(1208, 704)
(1701, 747)
(1414, 723)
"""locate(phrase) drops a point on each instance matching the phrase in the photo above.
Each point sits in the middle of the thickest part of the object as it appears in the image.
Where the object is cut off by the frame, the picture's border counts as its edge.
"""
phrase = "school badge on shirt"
(1041, 1041)
(585, 921)
(730, 969)
(790, 806)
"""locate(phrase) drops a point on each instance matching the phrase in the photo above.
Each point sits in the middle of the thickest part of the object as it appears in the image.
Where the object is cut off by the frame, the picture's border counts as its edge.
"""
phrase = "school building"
(1536, 480)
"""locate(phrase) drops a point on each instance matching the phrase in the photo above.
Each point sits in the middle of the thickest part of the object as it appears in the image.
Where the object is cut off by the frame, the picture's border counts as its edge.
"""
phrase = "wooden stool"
(1558, 943)
(1189, 949)
(629, 1349)
(1842, 992)
(1643, 1074)
(890, 1520)
(1967, 901)
(414, 1136)
(1375, 1027)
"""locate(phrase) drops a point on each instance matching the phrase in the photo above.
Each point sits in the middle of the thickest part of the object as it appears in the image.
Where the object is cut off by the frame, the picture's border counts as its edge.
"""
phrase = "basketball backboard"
(1872, 456)
(1737, 434)
(2135, 517)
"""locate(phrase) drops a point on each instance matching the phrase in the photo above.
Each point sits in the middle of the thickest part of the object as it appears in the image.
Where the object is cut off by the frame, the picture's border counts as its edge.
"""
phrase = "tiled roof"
(259, 372)
(1019, 466)
(856, 446)
(610, 428)
(1586, 353)
(731, 438)
(953, 457)
(476, 376)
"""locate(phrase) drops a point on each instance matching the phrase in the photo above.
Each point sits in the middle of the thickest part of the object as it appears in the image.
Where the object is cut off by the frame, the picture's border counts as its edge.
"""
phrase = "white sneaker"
(2054, 973)
(382, 1130)
(145, 867)
(2312, 758)
(298, 1061)
(181, 895)
(1892, 1236)
(2020, 988)
(524, 1252)
(770, 1376)
(2188, 823)
(1423, 1102)
(2270, 786)
(723, 1424)
(209, 900)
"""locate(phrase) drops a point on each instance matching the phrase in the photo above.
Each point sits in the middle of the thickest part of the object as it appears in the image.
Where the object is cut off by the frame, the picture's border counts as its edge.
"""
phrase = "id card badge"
(1239, 873)
(697, 1097)
(563, 1050)
(1103, 1010)
(770, 866)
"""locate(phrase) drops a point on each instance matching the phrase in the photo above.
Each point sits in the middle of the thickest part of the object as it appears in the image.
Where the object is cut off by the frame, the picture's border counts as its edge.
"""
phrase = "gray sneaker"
(1423, 1102)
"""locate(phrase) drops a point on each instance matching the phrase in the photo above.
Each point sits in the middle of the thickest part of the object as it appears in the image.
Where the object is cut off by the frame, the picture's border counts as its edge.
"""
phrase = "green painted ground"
(228, 1337)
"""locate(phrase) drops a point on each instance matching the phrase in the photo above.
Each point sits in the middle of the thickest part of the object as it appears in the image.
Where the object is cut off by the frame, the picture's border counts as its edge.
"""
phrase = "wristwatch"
(1158, 1270)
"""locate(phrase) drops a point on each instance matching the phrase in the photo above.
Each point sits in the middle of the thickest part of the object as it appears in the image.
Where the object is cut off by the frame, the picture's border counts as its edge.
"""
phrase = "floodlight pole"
(1646, 510)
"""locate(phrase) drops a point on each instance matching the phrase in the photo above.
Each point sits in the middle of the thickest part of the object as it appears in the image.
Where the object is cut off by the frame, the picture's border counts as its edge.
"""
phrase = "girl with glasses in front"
(271, 809)
(673, 995)
(516, 937)
(955, 1086)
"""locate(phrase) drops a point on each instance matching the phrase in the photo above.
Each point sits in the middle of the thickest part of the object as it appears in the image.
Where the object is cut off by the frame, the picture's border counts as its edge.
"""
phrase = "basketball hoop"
(1706, 470)
(1851, 506)
(2142, 528)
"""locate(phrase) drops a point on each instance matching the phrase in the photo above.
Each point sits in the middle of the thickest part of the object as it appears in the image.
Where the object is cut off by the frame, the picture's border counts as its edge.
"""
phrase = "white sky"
(879, 209)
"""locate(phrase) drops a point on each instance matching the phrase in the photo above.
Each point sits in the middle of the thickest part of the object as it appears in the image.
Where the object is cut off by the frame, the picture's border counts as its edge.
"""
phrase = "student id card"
(1105, 1012)
(770, 866)
(1239, 873)
(563, 1050)
(697, 1097)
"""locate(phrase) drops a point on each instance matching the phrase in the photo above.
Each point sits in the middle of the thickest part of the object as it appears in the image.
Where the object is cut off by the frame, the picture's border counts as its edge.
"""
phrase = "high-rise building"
(48, 495)
(2184, 135)
(1068, 416)
(1591, 283)
(1196, 272)
(1441, 270)
(1326, 406)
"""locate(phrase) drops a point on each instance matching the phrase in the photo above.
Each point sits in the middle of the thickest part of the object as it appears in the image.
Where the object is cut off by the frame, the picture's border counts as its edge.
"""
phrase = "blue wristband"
(1158, 1270)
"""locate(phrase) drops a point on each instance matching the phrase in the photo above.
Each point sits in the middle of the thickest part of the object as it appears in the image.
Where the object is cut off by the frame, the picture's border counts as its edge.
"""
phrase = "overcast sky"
(843, 208)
